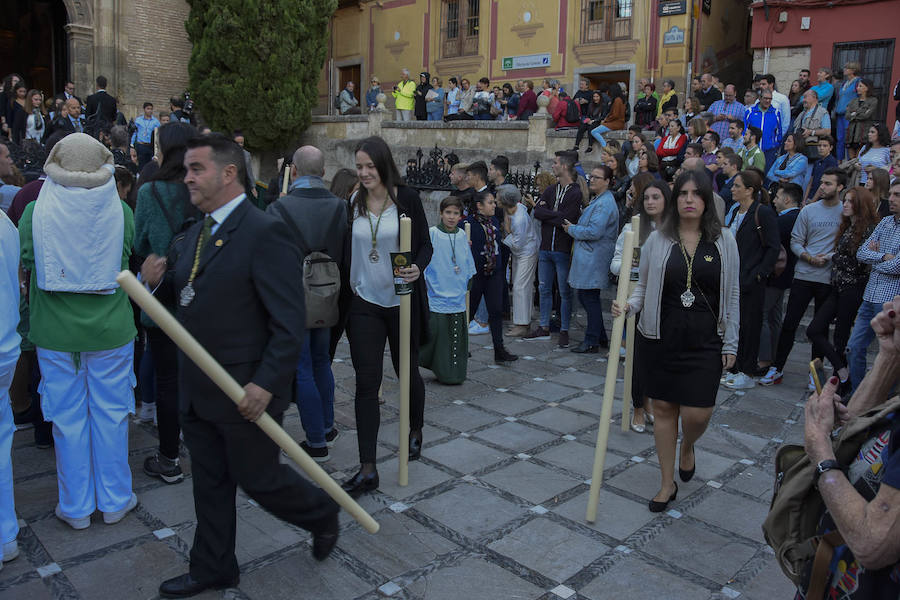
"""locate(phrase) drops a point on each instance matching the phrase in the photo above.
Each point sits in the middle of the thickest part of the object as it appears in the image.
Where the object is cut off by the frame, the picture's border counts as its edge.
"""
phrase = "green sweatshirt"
(72, 322)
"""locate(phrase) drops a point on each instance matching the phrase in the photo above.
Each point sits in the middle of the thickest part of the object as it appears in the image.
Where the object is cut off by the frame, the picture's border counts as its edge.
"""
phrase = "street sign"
(668, 8)
(526, 61)
(673, 37)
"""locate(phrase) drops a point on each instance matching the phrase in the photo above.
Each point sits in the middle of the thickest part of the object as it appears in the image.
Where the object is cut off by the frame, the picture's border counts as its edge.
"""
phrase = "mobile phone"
(814, 373)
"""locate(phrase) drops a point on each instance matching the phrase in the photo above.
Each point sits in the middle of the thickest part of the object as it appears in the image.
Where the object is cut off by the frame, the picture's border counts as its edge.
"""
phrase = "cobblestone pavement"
(495, 508)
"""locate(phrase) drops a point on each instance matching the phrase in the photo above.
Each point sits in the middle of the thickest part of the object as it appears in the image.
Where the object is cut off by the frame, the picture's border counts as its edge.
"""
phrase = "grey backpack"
(321, 280)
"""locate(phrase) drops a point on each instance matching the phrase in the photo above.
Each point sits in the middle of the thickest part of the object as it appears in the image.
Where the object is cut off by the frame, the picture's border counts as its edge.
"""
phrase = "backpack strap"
(818, 577)
(162, 206)
(286, 217)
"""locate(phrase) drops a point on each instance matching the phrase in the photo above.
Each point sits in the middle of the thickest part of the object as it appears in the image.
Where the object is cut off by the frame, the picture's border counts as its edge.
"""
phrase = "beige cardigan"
(647, 295)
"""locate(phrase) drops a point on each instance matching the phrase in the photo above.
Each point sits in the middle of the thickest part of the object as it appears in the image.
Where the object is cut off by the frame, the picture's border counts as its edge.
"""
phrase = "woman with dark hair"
(651, 207)
(421, 103)
(860, 114)
(591, 118)
(648, 162)
(645, 107)
(374, 314)
(163, 211)
(879, 183)
(687, 296)
(18, 112)
(697, 128)
(848, 281)
(669, 99)
(876, 154)
(671, 149)
(633, 157)
(790, 167)
(615, 120)
(620, 181)
(755, 228)
(691, 110)
(344, 183)
(7, 95)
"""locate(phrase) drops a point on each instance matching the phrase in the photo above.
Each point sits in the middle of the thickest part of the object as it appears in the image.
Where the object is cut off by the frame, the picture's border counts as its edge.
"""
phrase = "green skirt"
(447, 352)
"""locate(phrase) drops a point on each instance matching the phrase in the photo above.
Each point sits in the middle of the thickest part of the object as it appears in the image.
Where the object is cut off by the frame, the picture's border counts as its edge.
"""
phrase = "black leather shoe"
(504, 356)
(583, 348)
(324, 541)
(661, 506)
(185, 586)
(415, 444)
(359, 484)
(688, 475)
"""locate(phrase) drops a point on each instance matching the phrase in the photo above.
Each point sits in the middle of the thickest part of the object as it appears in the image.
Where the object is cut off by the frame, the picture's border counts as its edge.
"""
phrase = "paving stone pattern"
(495, 508)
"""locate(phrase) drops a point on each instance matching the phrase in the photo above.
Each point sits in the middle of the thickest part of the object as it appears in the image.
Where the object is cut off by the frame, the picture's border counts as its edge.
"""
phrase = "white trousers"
(523, 270)
(9, 524)
(89, 403)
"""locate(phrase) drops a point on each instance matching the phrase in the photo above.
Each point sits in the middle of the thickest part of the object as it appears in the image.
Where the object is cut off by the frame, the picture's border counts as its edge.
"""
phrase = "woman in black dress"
(688, 295)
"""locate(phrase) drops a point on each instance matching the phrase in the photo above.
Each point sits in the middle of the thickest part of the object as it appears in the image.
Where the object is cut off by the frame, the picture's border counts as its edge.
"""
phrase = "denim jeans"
(597, 134)
(860, 339)
(554, 264)
(595, 333)
(840, 131)
(481, 315)
(315, 387)
(437, 115)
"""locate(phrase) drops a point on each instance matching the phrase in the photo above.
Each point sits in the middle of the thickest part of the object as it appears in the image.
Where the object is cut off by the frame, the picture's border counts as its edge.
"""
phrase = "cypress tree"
(255, 65)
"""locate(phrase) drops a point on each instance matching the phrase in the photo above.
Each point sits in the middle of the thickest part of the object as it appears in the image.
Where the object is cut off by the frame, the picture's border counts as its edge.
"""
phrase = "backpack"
(797, 507)
(573, 113)
(781, 261)
(321, 280)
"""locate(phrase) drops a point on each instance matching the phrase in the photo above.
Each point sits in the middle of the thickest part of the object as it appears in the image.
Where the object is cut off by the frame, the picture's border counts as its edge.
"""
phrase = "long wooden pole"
(468, 241)
(609, 389)
(197, 353)
(405, 333)
(630, 328)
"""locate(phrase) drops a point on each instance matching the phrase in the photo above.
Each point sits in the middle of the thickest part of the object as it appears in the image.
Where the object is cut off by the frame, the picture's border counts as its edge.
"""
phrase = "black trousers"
(368, 326)
(586, 128)
(165, 365)
(752, 299)
(227, 455)
(491, 288)
(842, 306)
(802, 292)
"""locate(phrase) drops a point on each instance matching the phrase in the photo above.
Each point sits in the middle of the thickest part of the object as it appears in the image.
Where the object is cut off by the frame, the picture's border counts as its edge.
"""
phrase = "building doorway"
(33, 43)
(609, 78)
(351, 73)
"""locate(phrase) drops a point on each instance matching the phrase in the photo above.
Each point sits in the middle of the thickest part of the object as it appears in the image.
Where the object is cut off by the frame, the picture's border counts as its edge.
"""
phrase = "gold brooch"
(219, 245)
(707, 258)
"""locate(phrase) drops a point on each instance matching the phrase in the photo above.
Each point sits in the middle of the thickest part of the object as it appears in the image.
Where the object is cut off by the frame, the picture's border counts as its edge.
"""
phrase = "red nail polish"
(892, 314)
(833, 381)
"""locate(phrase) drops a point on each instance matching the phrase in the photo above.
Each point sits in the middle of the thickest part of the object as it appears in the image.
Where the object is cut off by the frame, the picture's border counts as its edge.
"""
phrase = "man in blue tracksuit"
(768, 119)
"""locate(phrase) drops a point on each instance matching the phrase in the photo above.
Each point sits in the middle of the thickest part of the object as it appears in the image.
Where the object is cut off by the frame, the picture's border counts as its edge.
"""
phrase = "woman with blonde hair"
(696, 130)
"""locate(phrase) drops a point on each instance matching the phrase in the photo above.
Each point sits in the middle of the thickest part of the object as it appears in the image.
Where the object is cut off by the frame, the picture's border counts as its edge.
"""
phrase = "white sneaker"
(727, 378)
(772, 377)
(80, 523)
(111, 518)
(10, 551)
(147, 412)
(476, 329)
(741, 381)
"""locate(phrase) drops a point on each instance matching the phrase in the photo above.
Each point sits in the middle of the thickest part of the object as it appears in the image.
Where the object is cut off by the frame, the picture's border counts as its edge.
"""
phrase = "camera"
(188, 108)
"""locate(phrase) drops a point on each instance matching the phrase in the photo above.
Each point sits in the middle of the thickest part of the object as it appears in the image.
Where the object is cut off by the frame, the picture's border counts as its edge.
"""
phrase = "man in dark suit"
(101, 104)
(68, 92)
(236, 279)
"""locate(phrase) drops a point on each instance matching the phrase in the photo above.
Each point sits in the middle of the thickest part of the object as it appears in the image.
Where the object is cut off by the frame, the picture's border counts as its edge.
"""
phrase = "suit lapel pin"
(219, 243)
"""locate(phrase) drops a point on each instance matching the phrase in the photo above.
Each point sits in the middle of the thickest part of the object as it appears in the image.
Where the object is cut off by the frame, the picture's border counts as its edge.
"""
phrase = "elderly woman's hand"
(886, 326)
(820, 413)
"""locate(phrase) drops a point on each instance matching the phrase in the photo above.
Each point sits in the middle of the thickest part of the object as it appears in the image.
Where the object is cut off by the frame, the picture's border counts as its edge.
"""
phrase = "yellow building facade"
(508, 40)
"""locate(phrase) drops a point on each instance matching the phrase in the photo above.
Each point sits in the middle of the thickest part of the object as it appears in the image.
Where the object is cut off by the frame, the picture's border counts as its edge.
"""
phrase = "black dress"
(684, 366)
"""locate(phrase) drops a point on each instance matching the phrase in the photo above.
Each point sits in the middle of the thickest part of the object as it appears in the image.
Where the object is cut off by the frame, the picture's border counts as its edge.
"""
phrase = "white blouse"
(31, 131)
(374, 281)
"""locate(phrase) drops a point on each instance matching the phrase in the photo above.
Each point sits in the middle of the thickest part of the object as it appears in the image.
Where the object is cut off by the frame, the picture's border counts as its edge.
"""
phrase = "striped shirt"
(884, 280)
(731, 110)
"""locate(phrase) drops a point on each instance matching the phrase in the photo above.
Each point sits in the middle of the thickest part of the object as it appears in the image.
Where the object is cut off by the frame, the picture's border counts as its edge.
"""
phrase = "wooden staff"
(630, 328)
(285, 181)
(405, 310)
(186, 342)
(609, 389)
(468, 241)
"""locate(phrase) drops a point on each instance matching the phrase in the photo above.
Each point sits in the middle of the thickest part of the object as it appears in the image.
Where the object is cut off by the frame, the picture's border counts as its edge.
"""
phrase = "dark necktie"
(205, 233)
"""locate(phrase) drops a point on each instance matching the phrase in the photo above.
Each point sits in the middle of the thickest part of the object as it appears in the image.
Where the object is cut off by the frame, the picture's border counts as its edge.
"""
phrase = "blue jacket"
(819, 168)
(795, 169)
(436, 105)
(844, 95)
(769, 122)
(595, 243)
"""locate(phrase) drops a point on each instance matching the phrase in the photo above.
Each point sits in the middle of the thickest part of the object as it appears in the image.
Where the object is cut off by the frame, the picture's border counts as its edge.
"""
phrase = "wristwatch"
(826, 465)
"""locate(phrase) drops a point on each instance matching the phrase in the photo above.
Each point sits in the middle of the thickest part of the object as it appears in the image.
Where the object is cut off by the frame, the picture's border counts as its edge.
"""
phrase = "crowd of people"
(739, 203)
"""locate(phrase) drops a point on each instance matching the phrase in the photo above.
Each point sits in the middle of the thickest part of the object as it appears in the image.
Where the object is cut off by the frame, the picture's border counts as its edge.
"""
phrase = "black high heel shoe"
(359, 484)
(415, 444)
(687, 475)
(661, 506)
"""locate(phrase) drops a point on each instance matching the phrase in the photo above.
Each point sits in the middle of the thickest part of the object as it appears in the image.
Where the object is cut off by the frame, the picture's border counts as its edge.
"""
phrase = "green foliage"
(255, 65)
